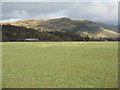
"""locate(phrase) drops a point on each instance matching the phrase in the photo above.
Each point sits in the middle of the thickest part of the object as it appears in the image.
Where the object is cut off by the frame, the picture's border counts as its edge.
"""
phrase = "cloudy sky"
(99, 11)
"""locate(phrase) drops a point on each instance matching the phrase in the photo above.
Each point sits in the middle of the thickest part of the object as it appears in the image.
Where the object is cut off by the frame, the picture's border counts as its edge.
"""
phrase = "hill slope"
(110, 27)
(82, 27)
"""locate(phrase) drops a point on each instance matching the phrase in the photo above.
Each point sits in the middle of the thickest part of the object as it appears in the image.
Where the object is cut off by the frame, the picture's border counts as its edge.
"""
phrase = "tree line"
(15, 33)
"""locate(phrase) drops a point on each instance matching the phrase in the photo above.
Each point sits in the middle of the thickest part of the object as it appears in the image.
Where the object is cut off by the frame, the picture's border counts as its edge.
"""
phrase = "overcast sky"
(105, 12)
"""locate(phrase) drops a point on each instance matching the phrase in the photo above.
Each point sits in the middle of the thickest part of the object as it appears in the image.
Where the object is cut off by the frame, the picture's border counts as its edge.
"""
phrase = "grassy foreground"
(60, 65)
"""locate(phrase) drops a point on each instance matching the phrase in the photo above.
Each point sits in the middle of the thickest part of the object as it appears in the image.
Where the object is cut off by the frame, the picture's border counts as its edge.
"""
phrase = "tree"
(87, 38)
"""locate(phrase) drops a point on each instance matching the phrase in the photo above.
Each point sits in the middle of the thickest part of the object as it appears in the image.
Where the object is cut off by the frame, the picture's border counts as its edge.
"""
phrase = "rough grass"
(60, 65)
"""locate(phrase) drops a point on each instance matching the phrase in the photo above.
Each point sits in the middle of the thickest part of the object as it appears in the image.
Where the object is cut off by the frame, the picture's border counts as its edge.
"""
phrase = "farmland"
(60, 65)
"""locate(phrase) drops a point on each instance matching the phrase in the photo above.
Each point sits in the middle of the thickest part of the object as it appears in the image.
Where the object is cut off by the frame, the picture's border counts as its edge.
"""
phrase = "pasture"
(60, 65)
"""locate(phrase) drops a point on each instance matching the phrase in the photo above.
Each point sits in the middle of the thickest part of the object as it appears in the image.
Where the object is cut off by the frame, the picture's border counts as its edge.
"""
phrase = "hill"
(83, 27)
(57, 28)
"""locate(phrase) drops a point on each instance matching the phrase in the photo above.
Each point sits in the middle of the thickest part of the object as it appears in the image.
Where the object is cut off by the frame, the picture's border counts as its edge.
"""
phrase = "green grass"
(60, 65)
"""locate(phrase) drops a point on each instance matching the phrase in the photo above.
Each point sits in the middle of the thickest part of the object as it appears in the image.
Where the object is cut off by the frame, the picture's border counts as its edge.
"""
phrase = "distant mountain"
(81, 27)
(109, 27)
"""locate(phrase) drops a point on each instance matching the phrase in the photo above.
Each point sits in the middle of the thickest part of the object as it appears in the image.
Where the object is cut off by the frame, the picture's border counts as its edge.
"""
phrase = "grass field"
(60, 65)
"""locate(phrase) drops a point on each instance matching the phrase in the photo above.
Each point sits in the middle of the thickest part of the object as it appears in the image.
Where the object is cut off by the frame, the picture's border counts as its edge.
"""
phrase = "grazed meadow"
(60, 64)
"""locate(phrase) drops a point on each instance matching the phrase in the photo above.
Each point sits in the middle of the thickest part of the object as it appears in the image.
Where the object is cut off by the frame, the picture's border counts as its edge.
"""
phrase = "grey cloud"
(95, 11)
(60, 0)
